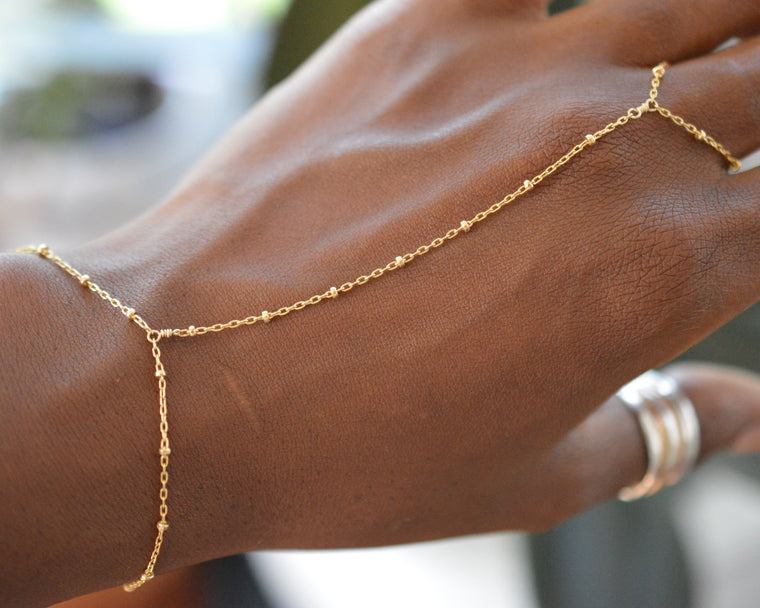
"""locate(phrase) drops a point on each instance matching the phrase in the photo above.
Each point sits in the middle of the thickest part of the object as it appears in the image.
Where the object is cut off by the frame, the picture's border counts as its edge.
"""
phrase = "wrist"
(75, 436)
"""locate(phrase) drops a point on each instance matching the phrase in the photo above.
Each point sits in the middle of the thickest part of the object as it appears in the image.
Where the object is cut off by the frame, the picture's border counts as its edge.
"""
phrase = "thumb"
(727, 401)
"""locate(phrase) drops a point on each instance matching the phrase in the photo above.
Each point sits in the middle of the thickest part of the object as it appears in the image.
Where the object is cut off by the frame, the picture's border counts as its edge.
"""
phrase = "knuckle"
(500, 8)
(644, 24)
(745, 86)
(733, 233)
(576, 110)
(670, 266)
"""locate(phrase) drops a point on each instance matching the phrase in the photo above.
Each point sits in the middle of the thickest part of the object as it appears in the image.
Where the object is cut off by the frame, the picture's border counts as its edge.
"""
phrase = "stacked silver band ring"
(670, 428)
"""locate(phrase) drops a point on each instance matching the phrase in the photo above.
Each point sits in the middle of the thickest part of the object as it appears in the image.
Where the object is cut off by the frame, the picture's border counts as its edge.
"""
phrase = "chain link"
(699, 134)
(155, 335)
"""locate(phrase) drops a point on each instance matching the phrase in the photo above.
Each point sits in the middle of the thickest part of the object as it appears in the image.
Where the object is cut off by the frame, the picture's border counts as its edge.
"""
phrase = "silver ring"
(670, 428)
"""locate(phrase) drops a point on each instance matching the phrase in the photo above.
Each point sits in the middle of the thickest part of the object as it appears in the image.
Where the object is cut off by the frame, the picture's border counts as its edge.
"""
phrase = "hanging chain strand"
(699, 134)
(154, 336)
(164, 451)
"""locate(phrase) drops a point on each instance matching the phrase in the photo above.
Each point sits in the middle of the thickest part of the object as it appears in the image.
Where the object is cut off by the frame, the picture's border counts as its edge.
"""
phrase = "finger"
(720, 93)
(727, 401)
(646, 32)
(506, 8)
(607, 452)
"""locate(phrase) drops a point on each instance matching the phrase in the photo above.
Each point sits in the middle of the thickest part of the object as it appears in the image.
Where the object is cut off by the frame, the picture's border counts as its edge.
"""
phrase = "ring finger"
(720, 93)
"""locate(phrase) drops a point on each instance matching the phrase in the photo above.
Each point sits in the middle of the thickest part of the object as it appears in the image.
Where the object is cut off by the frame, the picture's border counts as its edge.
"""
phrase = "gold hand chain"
(155, 335)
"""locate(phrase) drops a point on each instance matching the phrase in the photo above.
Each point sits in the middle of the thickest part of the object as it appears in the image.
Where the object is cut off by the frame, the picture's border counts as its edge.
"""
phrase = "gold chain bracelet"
(155, 335)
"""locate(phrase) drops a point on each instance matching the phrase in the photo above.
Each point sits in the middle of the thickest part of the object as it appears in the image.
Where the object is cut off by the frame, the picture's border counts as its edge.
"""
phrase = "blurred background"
(104, 104)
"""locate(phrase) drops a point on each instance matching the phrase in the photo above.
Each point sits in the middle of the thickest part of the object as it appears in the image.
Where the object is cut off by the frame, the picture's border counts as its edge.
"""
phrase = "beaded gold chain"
(154, 336)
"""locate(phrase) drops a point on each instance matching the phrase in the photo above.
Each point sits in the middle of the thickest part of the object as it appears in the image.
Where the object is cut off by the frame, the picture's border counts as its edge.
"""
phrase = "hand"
(442, 398)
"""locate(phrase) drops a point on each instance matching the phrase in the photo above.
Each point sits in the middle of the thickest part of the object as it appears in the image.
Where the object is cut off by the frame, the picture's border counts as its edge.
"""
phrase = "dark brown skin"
(459, 395)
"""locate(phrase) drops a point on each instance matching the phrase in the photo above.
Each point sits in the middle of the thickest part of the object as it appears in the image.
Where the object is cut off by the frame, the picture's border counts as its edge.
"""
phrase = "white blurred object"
(718, 517)
(194, 15)
(13, 14)
(487, 571)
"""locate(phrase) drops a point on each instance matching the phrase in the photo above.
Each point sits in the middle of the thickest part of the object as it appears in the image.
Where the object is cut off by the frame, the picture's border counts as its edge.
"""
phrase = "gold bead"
(165, 451)
(701, 136)
(528, 184)
(192, 330)
(43, 251)
(162, 526)
(131, 313)
(161, 373)
(265, 316)
(333, 292)
(400, 262)
(465, 225)
(590, 139)
(84, 280)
